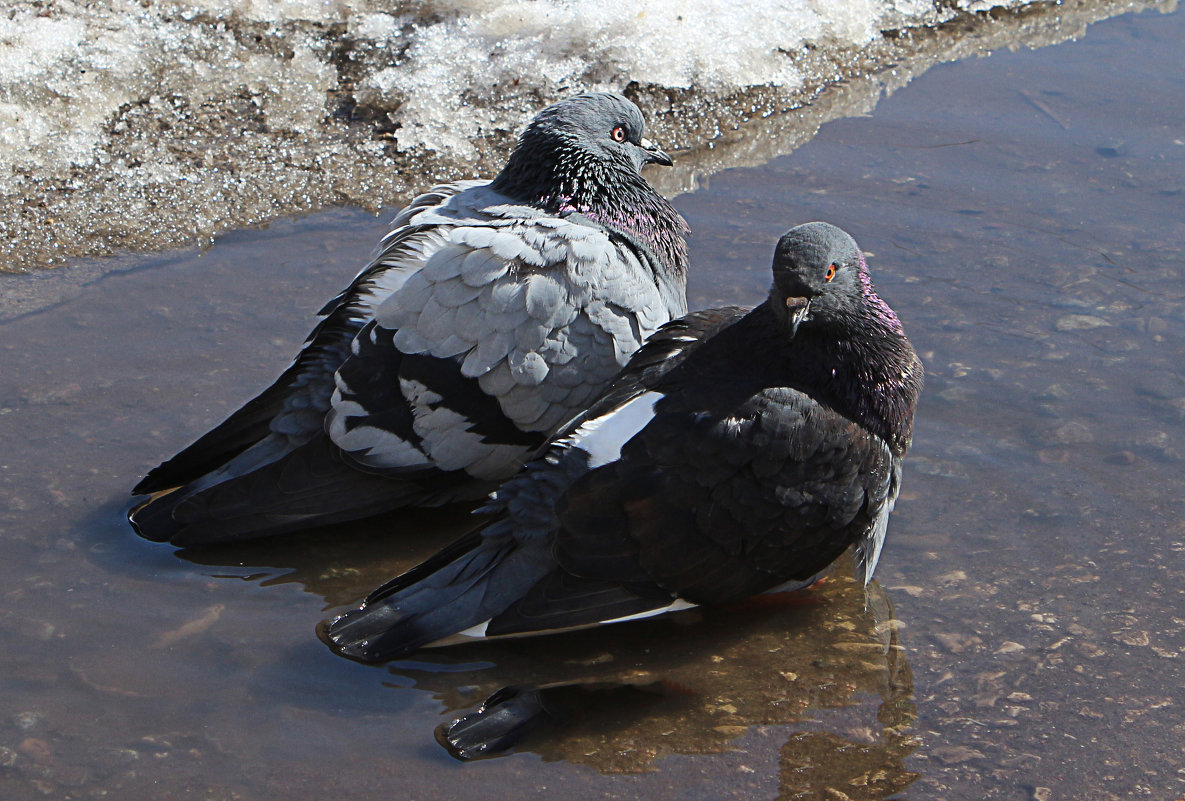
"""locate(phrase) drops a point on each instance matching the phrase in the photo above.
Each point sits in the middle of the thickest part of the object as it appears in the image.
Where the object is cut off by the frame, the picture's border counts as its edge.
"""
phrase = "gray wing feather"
(436, 324)
(496, 382)
(549, 302)
(543, 312)
(481, 267)
(455, 292)
(528, 368)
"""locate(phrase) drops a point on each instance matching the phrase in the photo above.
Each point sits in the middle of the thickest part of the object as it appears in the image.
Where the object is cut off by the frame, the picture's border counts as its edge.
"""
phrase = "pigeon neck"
(643, 216)
(885, 374)
(567, 180)
(863, 366)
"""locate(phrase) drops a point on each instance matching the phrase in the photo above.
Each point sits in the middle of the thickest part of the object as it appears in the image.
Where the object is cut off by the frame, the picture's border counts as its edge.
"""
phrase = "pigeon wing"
(704, 503)
(510, 329)
(725, 501)
(293, 407)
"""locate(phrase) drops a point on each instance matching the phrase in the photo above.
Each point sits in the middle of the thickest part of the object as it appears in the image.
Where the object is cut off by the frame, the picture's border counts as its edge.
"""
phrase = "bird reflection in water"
(620, 697)
(339, 563)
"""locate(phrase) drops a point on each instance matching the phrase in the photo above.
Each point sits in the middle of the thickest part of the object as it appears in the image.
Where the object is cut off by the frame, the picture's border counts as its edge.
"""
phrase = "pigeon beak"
(654, 155)
(796, 309)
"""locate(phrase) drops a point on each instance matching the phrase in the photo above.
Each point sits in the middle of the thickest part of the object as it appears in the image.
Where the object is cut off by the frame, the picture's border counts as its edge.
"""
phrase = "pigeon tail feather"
(308, 487)
(460, 588)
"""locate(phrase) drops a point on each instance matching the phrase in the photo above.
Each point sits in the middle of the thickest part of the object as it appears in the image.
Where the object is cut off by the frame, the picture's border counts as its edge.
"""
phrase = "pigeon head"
(820, 277)
(579, 146)
(850, 349)
(601, 123)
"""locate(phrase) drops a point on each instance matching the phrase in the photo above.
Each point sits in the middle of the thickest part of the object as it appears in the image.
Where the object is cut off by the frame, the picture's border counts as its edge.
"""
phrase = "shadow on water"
(619, 699)
(340, 563)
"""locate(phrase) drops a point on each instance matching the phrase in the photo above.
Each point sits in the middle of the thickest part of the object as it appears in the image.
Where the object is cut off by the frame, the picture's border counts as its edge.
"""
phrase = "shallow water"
(1024, 213)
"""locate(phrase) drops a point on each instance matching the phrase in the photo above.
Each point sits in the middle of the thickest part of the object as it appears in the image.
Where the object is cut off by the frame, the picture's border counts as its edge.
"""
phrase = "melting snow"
(155, 122)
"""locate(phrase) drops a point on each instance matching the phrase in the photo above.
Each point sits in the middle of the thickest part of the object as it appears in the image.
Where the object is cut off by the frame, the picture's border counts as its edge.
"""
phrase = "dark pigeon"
(492, 314)
(738, 453)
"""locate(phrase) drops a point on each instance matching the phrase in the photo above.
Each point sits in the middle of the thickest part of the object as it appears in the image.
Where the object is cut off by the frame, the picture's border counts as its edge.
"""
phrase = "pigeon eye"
(831, 268)
(618, 134)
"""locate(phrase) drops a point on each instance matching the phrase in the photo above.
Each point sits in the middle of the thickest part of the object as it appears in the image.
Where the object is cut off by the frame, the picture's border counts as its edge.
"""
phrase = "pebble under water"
(1026, 635)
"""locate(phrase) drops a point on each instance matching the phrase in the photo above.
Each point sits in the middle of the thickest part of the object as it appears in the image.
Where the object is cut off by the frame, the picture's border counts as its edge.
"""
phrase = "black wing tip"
(500, 723)
(153, 520)
(155, 480)
(347, 637)
(150, 523)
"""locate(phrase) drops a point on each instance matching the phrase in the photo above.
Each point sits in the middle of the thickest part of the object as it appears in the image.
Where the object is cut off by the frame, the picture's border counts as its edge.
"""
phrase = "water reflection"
(340, 563)
(621, 697)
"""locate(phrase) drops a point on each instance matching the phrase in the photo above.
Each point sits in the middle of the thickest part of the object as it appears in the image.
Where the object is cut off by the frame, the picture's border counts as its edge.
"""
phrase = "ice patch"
(68, 70)
(547, 46)
(126, 124)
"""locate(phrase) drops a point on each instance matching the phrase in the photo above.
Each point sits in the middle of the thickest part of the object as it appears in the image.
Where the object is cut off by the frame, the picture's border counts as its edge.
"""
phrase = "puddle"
(1024, 215)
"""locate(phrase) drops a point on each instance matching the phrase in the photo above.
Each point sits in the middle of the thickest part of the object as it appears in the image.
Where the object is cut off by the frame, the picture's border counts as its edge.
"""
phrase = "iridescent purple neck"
(645, 217)
(880, 311)
(559, 176)
(886, 376)
(861, 364)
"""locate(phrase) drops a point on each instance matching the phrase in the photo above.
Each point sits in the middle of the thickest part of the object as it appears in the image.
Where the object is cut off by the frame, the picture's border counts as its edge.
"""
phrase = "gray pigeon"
(737, 453)
(493, 313)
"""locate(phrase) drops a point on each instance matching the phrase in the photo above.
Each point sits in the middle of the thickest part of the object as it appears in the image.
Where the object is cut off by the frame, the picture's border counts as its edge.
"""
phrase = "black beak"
(654, 155)
(796, 311)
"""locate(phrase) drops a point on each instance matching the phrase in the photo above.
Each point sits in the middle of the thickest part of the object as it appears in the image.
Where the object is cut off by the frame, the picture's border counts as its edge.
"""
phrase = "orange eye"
(618, 134)
(831, 268)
